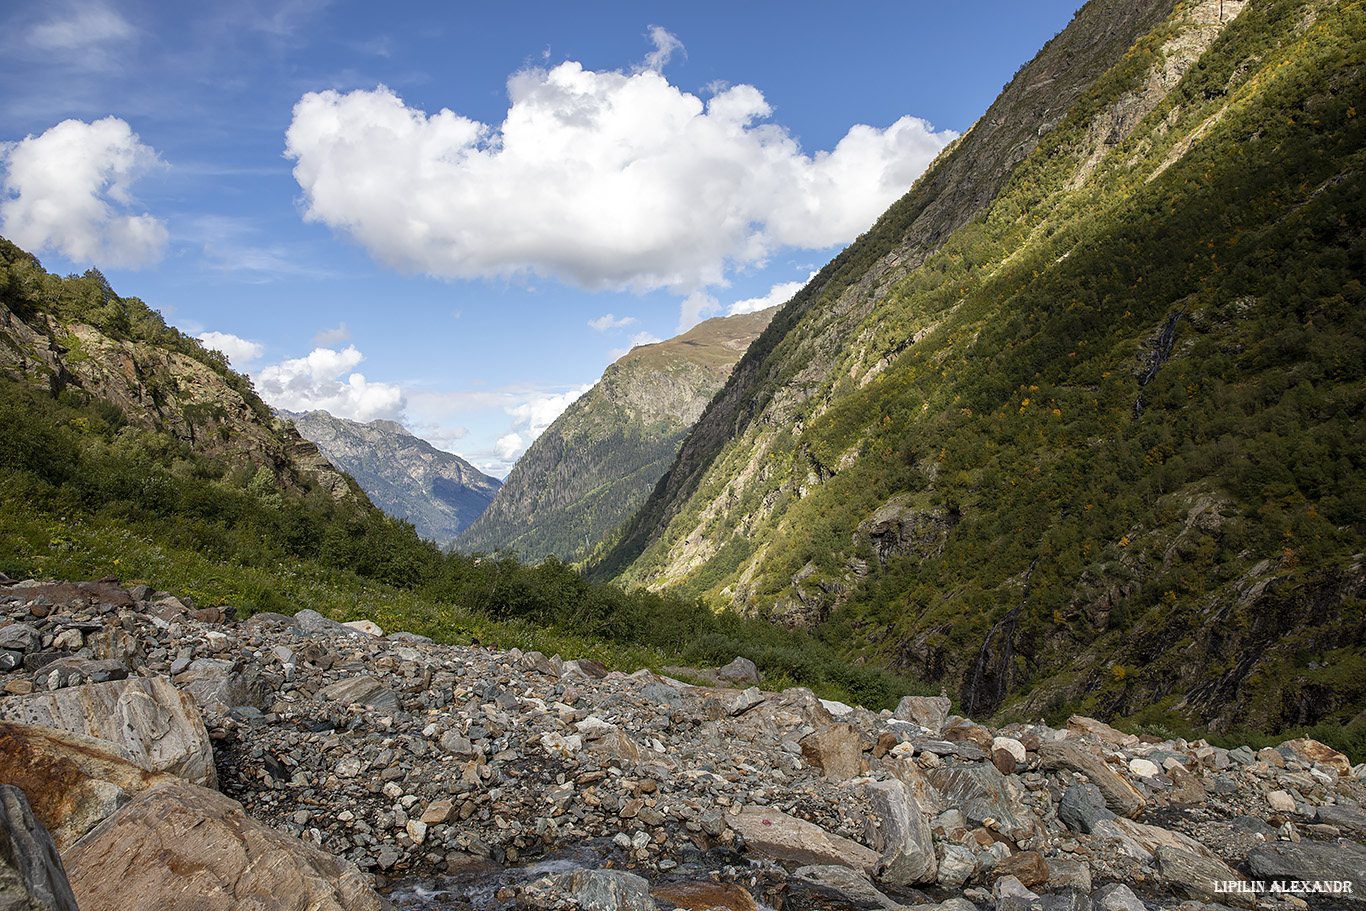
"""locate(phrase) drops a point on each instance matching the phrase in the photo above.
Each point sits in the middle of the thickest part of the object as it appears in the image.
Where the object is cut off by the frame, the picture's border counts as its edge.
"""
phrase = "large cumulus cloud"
(70, 191)
(599, 179)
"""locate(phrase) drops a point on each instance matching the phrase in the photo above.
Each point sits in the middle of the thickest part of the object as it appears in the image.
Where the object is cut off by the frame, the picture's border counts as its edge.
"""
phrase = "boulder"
(852, 884)
(1343, 861)
(72, 781)
(836, 750)
(956, 866)
(181, 846)
(1142, 841)
(151, 719)
(982, 793)
(1080, 724)
(592, 890)
(741, 670)
(1311, 751)
(787, 838)
(1083, 806)
(899, 831)
(1028, 867)
(219, 684)
(930, 712)
(31, 872)
(1120, 796)
(1203, 879)
(366, 691)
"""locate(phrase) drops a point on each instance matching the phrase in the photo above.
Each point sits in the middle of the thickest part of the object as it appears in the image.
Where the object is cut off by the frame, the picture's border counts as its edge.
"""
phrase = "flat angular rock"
(365, 691)
(31, 872)
(848, 882)
(1142, 841)
(180, 846)
(1120, 796)
(76, 670)
(705, 895)
(1198, 878)
(785, 837)
(1343, 861)
(1117, 897)
(898, 829)
(1343, 817)
(157, 724)
(20, 637)
(956, 866)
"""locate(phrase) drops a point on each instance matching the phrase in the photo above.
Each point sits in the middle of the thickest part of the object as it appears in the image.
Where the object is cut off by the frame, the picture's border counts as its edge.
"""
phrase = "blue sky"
(455, 214)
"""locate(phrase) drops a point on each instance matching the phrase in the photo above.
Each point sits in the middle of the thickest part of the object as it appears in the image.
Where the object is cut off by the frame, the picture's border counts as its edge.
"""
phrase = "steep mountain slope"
(407, 477)
(76, 337)
(1078, 422)
(599, 460)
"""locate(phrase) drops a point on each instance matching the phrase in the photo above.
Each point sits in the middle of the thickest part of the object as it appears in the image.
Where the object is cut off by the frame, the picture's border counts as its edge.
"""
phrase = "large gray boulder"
(157, 724)
(899, 831)
(1339, 862)
(31, 871)
(1120, 796)
(180, 846)
(982, 793)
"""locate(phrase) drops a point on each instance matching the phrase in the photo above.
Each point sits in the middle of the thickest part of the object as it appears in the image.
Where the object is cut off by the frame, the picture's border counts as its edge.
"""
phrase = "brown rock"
(1004, 761)
(960, 730)
(885, 741)
(1312, 751)
(181, 846)
(836, 750)
(703, 896)
(157, 724)
(1080, 724)
(72, 781)
(1028, 867)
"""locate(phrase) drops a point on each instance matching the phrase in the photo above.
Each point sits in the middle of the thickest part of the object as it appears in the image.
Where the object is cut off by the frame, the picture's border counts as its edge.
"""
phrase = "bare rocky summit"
(461, 776)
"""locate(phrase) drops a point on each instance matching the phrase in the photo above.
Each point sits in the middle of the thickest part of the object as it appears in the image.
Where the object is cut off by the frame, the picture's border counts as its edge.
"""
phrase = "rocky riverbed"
(178, 756)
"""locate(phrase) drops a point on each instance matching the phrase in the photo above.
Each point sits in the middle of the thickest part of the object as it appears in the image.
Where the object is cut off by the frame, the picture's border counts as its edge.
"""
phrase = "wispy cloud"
(329, 337)
(610, 321)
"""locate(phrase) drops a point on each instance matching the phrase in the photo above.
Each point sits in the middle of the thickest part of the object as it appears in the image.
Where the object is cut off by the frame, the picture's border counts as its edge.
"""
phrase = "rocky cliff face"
(948, 451)
(164, 390)
(407, 477)
(487, 779)
(600, 459)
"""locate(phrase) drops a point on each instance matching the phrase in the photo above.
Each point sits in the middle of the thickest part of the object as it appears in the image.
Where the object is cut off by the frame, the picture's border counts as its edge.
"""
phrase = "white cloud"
(239, 351)
(779, 294)
(80, 27)
(69, 191)
(509, 447)
(599, 179)
(316, 382)
(535, 415)
(332, 336)
(609, 321)
(665, 44)
(696, 307)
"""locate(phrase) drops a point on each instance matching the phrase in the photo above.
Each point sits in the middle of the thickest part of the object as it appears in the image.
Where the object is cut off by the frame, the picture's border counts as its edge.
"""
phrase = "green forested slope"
(600, 459)
(1103, 449)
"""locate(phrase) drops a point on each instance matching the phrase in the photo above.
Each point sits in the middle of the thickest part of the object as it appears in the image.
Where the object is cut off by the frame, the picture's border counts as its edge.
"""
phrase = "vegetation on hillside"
(85, 492)
(1133, 411)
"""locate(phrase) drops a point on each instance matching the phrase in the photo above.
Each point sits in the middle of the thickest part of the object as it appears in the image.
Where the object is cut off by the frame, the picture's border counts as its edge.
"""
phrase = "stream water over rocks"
(179, 757)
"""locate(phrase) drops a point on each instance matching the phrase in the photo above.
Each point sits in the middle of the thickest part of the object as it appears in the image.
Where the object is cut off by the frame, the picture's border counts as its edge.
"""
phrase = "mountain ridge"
(910, 460)
(404, 475)
(598, 460)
